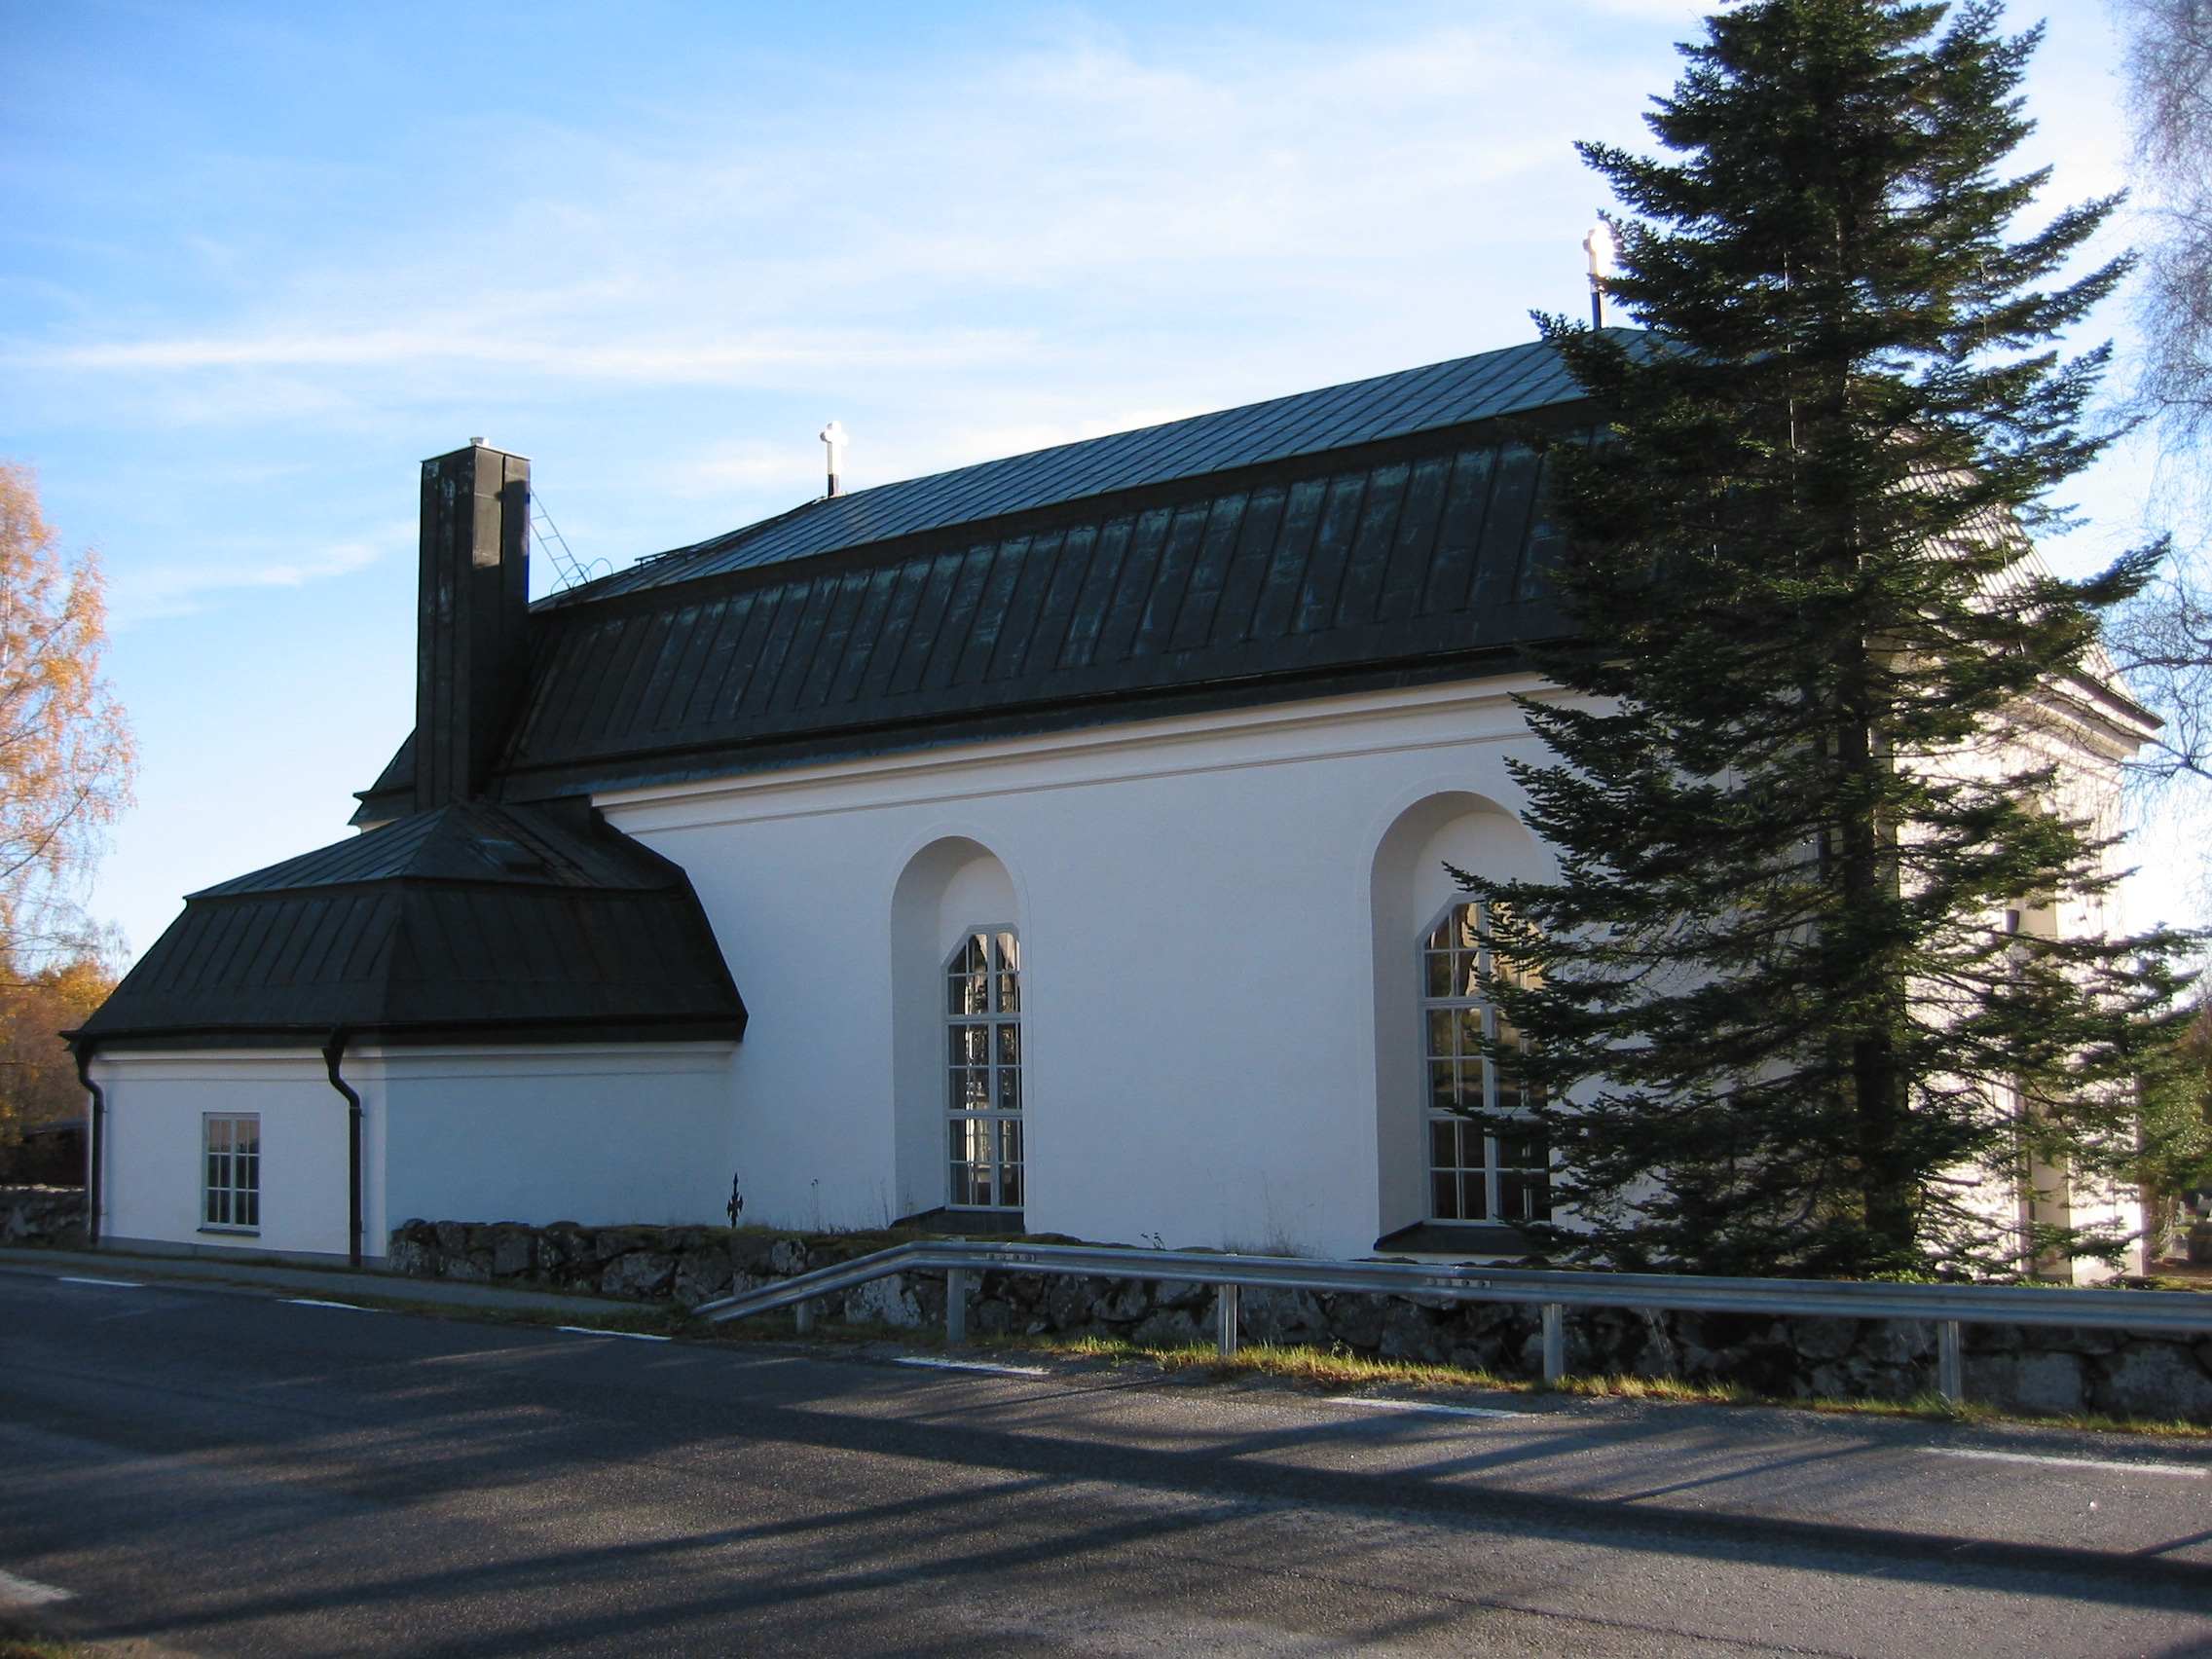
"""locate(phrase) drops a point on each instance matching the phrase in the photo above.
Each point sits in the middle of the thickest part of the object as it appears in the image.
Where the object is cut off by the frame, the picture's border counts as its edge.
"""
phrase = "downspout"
(95, 1139)
(333, 1052)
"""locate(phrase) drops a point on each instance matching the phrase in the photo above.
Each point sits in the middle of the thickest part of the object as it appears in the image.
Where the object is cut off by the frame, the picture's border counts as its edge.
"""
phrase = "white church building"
(1056, 844)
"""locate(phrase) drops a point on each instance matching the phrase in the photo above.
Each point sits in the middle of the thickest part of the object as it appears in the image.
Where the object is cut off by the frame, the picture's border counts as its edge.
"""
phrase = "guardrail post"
(955, 1306)
(1950, 1362)
(802, 1315)
(1555, 1342)
(1228, 1306)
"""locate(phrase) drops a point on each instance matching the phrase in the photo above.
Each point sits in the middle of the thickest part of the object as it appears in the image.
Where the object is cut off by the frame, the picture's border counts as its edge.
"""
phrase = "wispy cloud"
(150, 592)
(653, 360)
(1061, 192)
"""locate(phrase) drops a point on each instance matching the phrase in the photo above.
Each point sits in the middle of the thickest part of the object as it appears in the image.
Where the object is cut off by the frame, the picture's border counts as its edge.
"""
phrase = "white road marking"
(29, 1592)
(2188, 1471)
(1419, 1406)
(634, 1336)
(317, 1301)
(970, 1365)
(117, 1285)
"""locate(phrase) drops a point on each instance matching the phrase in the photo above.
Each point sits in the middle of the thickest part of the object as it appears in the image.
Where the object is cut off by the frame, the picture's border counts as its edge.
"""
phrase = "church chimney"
(469, 653)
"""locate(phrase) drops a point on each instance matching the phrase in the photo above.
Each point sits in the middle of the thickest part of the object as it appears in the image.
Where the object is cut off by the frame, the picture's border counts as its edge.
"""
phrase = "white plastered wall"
(599, 1134)
(1196, 900)
(596, 1133)
(151, 1172)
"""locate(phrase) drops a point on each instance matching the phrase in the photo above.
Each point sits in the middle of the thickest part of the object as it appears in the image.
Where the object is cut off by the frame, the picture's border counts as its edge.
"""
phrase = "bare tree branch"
(2170, 72)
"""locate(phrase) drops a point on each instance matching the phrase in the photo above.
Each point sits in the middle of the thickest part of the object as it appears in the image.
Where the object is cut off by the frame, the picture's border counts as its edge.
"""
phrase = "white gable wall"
(1198, 902)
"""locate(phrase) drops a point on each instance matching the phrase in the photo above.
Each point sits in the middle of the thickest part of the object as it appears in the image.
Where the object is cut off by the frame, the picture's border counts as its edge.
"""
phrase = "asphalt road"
(236, 1474)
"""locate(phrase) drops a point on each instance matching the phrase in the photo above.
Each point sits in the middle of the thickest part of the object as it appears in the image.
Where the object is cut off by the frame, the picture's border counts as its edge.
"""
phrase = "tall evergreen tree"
(1780, 999)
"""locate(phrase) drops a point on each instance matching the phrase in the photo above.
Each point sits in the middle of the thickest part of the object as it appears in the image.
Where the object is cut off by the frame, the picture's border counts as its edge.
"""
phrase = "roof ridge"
(1525, 375)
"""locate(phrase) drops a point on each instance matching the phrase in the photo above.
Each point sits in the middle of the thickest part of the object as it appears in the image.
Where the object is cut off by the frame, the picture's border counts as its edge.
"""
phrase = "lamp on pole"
(1602, 245)
(834, 435)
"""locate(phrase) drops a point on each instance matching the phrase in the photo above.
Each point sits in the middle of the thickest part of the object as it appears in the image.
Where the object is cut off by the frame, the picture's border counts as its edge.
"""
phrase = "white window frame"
(982, 1070)
(230, 1172)
(1475, 1175)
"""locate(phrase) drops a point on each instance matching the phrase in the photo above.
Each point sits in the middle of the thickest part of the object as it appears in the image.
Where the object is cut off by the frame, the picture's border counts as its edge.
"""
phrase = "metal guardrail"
(1947, 1307)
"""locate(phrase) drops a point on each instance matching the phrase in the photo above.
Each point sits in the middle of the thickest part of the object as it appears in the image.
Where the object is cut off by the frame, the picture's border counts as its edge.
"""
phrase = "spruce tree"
(1781, 1000)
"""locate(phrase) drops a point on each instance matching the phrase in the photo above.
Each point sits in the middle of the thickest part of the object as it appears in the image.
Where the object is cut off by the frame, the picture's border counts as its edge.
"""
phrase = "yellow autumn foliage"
(65, 768)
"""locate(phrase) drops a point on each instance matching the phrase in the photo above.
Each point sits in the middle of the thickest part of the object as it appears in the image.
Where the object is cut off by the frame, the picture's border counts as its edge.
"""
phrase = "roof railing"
(1947, 1307)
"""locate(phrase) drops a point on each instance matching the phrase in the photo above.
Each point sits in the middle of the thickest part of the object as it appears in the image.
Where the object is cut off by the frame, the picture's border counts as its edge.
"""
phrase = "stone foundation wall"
(2044, 1369)
(42, 1215)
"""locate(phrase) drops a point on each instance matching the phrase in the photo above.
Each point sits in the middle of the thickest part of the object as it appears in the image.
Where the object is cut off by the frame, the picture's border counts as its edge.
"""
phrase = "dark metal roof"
(1417, 560)
(467, 923)
(1453, 394)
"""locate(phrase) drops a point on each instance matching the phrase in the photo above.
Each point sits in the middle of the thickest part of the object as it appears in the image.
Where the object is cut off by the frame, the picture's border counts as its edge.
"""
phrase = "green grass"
(17, 1643)
(1322, 1369)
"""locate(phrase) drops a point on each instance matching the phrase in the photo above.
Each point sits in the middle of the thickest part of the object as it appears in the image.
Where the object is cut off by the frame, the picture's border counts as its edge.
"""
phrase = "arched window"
(1488, 1159)
(984, 1047)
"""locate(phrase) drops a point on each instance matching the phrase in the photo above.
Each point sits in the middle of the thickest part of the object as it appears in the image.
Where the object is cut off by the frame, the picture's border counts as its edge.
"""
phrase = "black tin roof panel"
(1466, 389)
(465, 922)
(1397, 563)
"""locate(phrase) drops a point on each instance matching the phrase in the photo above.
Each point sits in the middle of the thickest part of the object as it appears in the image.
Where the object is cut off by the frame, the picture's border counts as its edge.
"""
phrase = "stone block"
(1171, 1327)
(1719, 1331)
(407, 1256)
(1289, 1318)
(2153, 1379)
(638, 1276)
(1412, 1332)
(1820, 1338)
(1067, 1304)
(2048, 1382)
(514, 1250)
(1120, 1302)
(452, 1238)
(612, 1243)
(1356, 1320)
(884, 1302)
(754, 1253)
(786, 1258)
(702, 1276)
(1898, 1342)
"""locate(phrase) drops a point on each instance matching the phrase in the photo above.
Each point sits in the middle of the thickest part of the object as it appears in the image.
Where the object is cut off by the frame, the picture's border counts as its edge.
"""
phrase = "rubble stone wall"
(42, 1215)
(2045, 1369)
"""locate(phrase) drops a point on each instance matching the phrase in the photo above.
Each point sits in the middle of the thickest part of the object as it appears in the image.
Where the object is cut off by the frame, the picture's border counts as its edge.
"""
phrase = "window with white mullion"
(1488, 1158)
(983, 1070)
(231, 1185)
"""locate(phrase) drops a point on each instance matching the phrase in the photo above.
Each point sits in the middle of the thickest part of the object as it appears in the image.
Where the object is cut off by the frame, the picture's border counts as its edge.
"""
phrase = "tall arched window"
(1488, 1159)
(984, 1045)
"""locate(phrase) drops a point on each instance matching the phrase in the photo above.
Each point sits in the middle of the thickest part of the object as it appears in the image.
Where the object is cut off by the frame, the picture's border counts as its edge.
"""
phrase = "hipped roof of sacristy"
(1384, 532)
(467, 922)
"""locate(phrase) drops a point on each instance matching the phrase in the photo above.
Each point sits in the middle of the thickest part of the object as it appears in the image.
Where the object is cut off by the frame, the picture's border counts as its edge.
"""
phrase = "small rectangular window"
(233, 1178)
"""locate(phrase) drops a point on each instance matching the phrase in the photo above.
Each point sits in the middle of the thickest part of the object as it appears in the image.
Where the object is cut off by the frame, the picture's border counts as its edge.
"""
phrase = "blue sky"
(260, 258)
